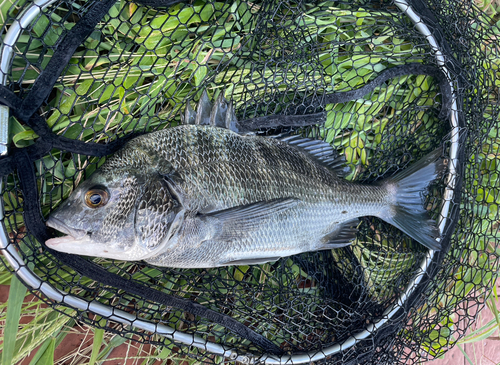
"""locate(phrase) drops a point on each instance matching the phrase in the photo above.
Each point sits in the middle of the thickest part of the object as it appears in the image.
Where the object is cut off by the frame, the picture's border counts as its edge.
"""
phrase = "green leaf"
(17, 292)
(25, 138)
(67, 101)
(5, 278)
(465, 355)
(47, 343)
(481, 335)
(244, 12)
(130, 81)
(53, 118)
(136, 13)
(96, 346)
(206, 12)
(4, 8)
(201, 69)
(165, 352)
(84, 87)
(47, 357)
(115, 342)
(108, 91)
(493, 306)
(114, 20)
(240, 271)
(41, 25)
(15, 127)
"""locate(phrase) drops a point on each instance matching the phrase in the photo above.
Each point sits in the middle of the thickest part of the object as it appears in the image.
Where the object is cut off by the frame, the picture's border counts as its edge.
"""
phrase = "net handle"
(33, 281)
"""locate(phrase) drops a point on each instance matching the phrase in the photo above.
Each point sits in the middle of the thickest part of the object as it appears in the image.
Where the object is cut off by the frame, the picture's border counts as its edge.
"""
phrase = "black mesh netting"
(85, 76)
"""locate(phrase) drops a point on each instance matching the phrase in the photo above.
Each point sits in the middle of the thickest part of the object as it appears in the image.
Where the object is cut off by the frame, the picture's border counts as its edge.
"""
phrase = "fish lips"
(78, 242)
(55, 223)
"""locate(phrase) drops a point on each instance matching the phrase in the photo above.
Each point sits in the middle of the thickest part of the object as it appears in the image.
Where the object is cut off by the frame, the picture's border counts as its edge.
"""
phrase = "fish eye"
(96, 197)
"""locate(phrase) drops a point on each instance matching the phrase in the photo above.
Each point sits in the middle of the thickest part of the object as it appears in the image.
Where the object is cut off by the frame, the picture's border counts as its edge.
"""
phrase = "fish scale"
(201, 196)
(179, 149)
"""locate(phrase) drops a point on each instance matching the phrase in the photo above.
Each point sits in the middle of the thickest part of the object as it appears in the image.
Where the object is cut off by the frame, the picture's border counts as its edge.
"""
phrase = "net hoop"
(34, 282)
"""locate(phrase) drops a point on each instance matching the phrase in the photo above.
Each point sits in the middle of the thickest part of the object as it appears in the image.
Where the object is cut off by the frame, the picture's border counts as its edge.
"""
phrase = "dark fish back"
(190, 146)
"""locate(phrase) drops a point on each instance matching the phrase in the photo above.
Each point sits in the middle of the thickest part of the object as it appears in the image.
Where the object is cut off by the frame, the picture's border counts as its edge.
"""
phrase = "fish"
(209, 193)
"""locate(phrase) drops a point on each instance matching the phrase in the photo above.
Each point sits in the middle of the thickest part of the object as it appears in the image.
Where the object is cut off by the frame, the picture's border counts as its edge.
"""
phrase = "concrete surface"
(486, 352)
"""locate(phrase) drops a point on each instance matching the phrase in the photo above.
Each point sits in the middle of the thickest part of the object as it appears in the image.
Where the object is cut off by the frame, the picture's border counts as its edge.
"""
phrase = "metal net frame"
(90, 75)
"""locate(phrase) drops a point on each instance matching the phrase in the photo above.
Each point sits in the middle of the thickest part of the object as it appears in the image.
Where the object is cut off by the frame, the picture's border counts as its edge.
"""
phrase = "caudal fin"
(408, 188)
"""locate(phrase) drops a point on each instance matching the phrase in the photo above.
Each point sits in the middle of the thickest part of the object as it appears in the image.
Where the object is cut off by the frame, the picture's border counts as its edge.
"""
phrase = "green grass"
(115, 90)
(17, 292)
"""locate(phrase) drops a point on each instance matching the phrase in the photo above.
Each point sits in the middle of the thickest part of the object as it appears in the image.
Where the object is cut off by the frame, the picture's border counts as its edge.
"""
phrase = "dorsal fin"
(220, 114)
(203, 110)
(322, 152)
(219, 111)
(189, 115)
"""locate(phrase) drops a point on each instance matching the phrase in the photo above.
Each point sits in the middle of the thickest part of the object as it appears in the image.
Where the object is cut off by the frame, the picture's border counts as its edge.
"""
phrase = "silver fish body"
(201, 196)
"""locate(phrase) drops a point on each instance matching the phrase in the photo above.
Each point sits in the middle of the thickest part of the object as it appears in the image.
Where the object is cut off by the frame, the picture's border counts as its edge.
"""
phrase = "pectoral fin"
(234, 223)
(250, 217)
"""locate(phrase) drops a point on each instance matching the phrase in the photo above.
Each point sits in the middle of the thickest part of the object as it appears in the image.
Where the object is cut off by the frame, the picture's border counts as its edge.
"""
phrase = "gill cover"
(156, 211)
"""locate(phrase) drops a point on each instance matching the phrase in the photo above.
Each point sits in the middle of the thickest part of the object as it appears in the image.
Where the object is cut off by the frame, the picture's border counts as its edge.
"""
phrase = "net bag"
(383, 82)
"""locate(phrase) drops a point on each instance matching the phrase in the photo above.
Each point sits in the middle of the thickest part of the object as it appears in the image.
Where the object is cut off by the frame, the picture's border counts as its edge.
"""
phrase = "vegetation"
(129, 78)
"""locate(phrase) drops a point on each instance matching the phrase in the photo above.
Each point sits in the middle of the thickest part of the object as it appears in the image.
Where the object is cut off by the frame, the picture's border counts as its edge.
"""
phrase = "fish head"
(116, 213)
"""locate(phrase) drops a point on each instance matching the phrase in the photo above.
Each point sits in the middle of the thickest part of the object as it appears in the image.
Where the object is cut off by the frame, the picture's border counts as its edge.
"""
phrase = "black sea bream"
(203, 195)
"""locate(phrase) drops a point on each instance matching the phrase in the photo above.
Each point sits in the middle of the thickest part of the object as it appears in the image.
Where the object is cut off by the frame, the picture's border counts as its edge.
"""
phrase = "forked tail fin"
(407, 190)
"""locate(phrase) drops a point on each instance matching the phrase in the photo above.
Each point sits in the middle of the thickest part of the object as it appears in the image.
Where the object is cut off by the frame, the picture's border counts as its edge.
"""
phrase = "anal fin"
(342, 236)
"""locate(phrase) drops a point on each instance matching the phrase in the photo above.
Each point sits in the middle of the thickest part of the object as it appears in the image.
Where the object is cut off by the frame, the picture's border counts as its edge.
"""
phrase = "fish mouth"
(76, 242)
(79, 242)
(75, 234)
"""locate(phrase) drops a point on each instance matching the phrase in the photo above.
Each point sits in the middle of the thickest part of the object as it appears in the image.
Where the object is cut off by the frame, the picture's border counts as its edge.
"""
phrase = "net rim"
(34, 282)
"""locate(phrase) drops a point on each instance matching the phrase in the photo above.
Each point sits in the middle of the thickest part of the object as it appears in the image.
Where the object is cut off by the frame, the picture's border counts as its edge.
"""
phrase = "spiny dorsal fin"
(221, 114)
(203, 110)
(231, 121)
(189, 115)
(321, 151)
(219, 111)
